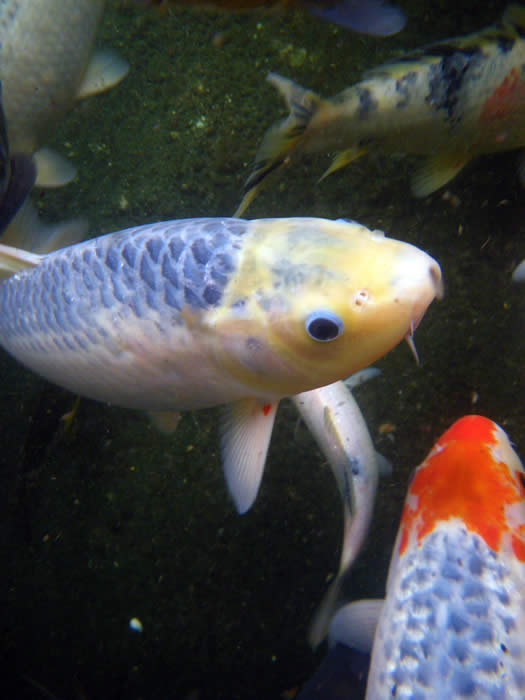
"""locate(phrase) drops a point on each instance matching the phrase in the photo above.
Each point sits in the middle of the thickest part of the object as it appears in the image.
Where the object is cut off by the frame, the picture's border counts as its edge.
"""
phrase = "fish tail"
(282, 138)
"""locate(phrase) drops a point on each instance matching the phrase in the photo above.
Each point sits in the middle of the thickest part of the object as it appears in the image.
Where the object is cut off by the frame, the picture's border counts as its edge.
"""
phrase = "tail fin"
(282, 138)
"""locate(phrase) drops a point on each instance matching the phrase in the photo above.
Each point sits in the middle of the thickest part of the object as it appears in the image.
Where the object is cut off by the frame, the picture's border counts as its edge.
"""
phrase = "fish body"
(46, 63)
(332, 415)
(450, 101)
(453, 622)
(192, 313)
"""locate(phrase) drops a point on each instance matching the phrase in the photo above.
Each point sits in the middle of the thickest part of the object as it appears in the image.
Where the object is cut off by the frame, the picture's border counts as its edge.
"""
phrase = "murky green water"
(113, 520)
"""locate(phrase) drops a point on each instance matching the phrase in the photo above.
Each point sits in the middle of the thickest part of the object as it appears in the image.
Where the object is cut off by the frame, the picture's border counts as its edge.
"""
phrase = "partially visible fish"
(368, 16)
(17, 176)
(451, 101)
(519, 273)
(337, 424)
(186, 314)
(453, 622)
(46, 63)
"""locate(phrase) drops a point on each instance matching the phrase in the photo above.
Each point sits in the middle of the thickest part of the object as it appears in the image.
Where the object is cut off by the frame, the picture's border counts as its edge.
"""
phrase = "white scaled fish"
(453, 622)
(181, 315)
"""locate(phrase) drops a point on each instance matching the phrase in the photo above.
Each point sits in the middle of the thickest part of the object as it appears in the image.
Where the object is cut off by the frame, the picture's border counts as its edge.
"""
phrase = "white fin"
(360, 377)
(354, 625)
(323, 616)
(27, 232)
(437, 171)
(52, 169)
(246, 428)
(105, 70)
(519, 273)
(13, 259)
(384, 465)
(342, 159)
(166, 422)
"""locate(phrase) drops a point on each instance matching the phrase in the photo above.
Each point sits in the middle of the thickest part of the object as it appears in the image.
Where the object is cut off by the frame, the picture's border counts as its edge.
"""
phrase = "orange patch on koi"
(503, 99)
(461, 478)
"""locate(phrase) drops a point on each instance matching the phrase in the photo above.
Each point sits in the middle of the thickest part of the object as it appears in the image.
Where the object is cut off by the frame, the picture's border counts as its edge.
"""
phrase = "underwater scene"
(191, 493)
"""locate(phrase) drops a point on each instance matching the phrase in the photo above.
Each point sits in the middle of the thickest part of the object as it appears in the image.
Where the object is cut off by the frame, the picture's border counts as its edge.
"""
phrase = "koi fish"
(368, 16)
(186, 314)
(46, 63)
(450, 101)
(453, 622)
(334, 418)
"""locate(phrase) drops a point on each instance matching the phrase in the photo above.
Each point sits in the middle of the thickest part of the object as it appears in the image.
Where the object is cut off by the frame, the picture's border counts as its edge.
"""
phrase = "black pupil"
(323, 329)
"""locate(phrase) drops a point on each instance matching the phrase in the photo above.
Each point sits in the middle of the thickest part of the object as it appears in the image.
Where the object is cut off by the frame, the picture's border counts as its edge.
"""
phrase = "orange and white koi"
(453, 622)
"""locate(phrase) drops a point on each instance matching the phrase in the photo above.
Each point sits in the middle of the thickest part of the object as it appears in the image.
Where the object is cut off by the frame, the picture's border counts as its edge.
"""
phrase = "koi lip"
(437, 283)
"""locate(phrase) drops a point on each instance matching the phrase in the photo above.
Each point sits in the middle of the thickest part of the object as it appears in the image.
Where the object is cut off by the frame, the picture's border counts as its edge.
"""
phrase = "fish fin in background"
(13, 260)
(437, 171)
(283, 137)
(343, 159)
(52, 169)
(374, 17)
(28, 233)
(21, 180)
(245, 428)
(519, 273)
(384, 465)
(166, 422)
(514, 15)
(358, 378)
(354, 625)
(105, 70)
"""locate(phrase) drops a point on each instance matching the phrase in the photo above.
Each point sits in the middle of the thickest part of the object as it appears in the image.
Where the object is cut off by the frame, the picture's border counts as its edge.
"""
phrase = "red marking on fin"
(462, 478)
(267, 407)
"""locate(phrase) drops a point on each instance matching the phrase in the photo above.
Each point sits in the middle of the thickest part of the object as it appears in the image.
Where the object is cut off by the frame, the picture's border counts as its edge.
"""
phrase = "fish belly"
(450, 627)
(45, 47)
(122, 318)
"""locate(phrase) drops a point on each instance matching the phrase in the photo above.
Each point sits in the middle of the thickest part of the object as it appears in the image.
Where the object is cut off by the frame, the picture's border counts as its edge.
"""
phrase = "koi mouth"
(437, 285)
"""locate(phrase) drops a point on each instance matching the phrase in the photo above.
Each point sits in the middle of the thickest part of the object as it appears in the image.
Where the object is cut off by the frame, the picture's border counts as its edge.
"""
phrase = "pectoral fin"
(13, 259)
(105, 70)
(246, 428)
(342, 159)
(354, 625)
(52, 169)
(437, 171)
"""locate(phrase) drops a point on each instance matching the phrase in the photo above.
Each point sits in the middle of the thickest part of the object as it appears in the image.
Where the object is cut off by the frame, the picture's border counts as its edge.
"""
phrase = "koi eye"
(323, 325)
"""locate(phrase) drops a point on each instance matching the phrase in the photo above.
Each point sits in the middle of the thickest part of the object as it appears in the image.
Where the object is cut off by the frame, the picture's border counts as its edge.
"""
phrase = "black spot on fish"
(404, 86)
(505, 43)
(447, 77)
(521, 477)
(212, 294)
(367, 103)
